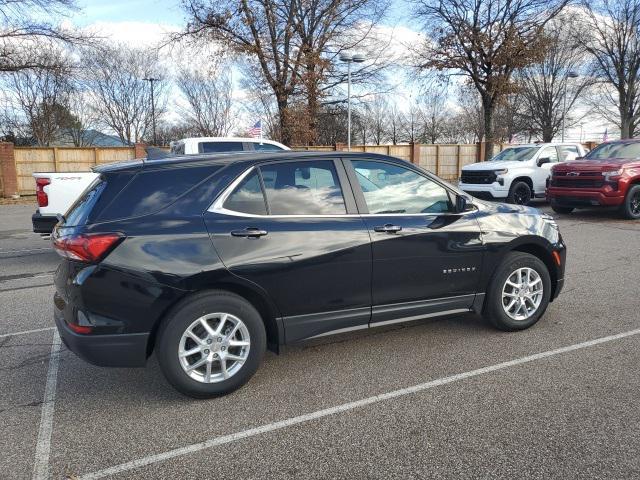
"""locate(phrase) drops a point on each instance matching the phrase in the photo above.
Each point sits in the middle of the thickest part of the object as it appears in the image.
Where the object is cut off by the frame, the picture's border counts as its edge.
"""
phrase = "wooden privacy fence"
(445, 160)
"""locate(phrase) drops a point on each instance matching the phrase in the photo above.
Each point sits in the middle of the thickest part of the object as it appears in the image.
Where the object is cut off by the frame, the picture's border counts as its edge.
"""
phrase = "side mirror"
(542, 161)
(462, 203)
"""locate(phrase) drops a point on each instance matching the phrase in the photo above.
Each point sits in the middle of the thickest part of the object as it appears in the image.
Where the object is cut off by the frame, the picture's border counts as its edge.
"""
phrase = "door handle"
(250, 232)
(388, 228)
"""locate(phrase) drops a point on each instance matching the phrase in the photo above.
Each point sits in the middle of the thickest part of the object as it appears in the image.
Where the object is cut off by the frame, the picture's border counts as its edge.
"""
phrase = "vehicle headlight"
(501, 172)
(612, 173)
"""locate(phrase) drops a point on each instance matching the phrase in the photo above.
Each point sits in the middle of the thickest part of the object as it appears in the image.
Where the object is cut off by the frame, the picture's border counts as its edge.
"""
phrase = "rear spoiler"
(155, 153)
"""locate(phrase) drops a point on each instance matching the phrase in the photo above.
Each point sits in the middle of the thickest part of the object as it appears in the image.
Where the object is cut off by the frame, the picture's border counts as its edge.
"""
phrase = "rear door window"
(220, 147)
(303, 188)
(248, 197)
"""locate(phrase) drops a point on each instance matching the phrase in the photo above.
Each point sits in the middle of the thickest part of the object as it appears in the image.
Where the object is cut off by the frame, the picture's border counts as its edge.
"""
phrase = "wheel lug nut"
(206, 352)
(209, 341)
(219, 339)
(215, 355)
(223, 348)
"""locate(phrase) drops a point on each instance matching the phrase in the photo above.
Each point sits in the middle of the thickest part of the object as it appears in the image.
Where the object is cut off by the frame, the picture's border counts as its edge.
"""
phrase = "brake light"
(79, 328)
(41, 195)
(86, 247)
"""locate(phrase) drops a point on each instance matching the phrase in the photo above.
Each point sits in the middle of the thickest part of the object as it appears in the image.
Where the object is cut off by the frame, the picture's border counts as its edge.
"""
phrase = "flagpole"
(260, 131)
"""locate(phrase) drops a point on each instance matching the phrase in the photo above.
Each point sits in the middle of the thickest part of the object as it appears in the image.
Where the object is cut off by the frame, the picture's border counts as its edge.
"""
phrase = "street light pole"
(564, 100)
(349, 59)
(151, 80)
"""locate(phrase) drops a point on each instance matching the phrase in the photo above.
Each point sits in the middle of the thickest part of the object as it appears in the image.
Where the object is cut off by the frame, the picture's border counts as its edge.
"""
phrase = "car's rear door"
(292, 228)
(427, 257)
(542, 172)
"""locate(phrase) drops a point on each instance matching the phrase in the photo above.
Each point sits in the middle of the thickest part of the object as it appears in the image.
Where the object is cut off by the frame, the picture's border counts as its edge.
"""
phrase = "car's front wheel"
(631, 206)
(211, 344)
(520, 193)
(519, 292)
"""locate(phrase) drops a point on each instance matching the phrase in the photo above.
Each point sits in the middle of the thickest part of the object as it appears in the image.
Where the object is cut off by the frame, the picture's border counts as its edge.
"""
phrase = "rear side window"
(80, 210)
(248, 196)
(303, 188)
(214, 147)
(266, 147)
(151, 191)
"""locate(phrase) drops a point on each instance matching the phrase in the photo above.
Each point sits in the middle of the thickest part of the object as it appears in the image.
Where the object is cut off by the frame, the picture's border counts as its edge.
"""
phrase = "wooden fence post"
(55, 159)
(96, 152)
(414, 154)
(338, 147)
(459, 160)
(8, 170)
(437, 159)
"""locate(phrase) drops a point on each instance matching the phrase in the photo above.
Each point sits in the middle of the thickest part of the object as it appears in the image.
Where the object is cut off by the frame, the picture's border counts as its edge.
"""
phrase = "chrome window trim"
(218, 207)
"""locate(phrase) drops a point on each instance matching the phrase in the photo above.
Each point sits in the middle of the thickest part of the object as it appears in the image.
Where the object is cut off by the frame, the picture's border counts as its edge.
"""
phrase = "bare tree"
(486, 41)
(115, 81)
(612, 37)
(547, 87)
(291, 44)
(208, 97)
(26, 28)
(40, 98)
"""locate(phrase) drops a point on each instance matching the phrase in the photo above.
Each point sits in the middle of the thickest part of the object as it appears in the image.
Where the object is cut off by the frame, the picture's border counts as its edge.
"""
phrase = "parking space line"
(43, 445)
(225, 439)
(26, 332)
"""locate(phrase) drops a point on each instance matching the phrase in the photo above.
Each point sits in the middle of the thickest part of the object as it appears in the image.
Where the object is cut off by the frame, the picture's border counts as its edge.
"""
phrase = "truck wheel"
(566, 210)
(211, 344)
(519, 292)
(520, 193)
(631, 207)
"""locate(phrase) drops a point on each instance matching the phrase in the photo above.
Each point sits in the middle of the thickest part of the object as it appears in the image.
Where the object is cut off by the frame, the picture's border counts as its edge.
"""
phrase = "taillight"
(43, 198)
(91, 247)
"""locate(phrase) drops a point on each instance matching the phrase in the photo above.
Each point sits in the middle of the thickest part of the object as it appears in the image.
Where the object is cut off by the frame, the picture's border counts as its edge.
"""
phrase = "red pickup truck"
(609, 175)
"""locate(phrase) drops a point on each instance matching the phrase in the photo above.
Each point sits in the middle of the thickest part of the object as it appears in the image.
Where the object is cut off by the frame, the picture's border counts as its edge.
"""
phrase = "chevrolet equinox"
(209, 260)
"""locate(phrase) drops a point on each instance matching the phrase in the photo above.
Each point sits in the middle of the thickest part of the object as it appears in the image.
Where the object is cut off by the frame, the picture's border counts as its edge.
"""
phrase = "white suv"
(191, 146)
(518, 173)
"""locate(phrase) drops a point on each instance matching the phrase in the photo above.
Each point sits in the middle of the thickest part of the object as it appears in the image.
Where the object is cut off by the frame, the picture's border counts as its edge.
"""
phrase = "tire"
(565, 210)
(520, 193)
(630, 209)
(495, 310)
(241, 318)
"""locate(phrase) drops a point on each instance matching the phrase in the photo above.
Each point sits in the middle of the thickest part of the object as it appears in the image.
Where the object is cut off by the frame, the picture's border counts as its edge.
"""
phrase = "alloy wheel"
(635, 204)
(522, 293)
(214, 347)
(521, 195)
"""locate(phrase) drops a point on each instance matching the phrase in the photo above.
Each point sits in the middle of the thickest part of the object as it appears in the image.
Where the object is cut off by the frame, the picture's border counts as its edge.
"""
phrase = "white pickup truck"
(56, 192)
(518, 173)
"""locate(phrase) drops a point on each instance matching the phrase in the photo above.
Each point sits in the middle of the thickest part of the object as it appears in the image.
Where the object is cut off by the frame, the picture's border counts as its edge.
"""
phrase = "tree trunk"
(285, 131)
(487, 110)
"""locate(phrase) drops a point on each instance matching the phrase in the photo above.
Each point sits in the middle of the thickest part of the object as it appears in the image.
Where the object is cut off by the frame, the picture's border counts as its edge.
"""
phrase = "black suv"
(209, 260)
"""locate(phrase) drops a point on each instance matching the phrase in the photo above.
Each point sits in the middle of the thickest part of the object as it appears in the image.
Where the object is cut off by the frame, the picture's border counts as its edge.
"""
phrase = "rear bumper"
(120, 350)
(43, 223)
(581, 198)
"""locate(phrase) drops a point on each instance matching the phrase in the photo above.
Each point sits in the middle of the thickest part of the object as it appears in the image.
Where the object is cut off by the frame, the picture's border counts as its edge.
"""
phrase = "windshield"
(517, 154)
(615, 150)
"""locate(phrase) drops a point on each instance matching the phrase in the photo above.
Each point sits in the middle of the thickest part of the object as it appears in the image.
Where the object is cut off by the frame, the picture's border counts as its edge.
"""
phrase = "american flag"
(605, 137)
(256, 130)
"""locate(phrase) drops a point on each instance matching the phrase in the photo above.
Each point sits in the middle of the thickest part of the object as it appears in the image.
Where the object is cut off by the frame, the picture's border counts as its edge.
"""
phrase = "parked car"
(190, 146)
(518, 173)
(609, 175)
(56, 192)
(206, 261)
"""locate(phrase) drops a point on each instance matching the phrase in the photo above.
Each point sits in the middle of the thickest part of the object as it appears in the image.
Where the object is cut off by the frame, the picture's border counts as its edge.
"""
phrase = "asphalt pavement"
(443, 398)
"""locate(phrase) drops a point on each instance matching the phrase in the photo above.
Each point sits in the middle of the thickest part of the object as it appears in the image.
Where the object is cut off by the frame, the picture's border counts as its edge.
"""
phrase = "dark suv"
(209, 260)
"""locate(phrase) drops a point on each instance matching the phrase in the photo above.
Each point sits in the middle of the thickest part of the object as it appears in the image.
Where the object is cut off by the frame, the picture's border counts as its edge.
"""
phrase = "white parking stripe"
(26, 332)
(43, 445)
(214, 442)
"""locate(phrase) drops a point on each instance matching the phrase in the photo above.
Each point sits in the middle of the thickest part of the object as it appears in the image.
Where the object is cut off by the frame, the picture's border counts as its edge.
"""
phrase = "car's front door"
(426, 256)
(542, 172)
(292, 228)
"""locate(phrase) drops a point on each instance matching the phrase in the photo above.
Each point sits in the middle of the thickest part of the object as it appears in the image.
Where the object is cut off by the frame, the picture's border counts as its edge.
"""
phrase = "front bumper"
(485, 192)
(578, 198)
(43, 223)
(104, 350)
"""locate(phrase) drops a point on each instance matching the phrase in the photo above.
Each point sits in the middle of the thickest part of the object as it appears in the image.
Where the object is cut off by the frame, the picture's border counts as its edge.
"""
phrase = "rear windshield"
(80, 210)
(606, 151)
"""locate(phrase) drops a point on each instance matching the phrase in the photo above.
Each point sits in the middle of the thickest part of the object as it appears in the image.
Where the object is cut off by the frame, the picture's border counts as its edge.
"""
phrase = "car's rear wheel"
(565, 210)
(211, 344)
(519, 292)
(631, 207)
(520, 193)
